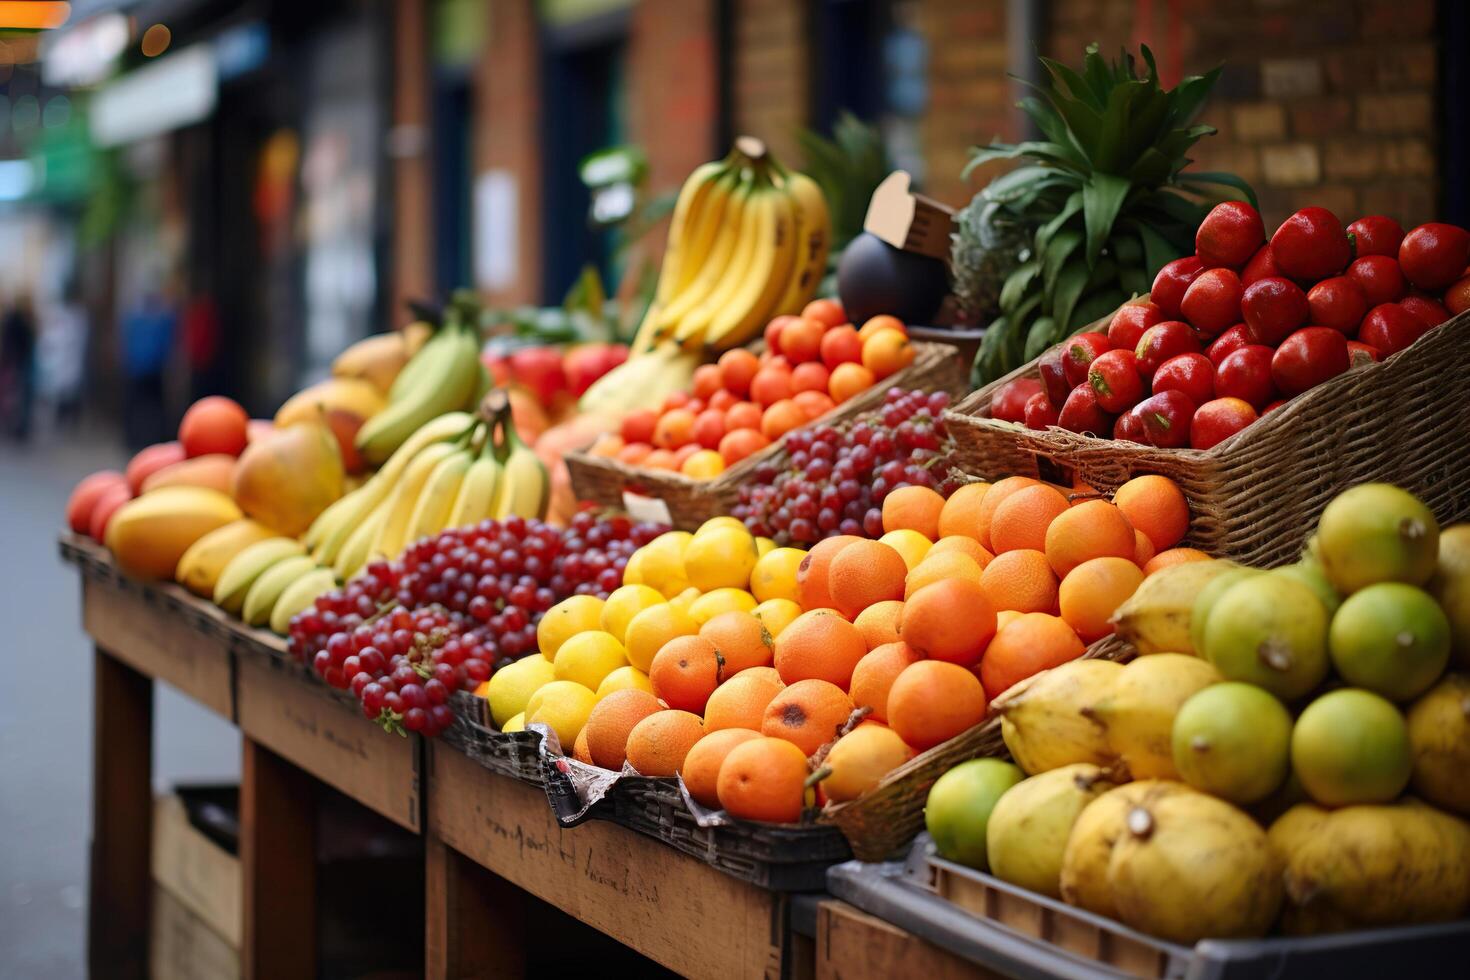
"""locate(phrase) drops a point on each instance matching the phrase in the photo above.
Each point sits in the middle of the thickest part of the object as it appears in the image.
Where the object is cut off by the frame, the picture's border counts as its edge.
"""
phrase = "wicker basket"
(513, 754)
(880, 823)
(691, 502)
(1256, 495)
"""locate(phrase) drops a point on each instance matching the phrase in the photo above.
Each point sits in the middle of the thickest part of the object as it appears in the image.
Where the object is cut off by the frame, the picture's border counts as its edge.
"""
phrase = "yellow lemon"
(633, 571)
(562, 706)
(664, 570)
(674, 541)
(715, 523)
(910, 545)
(589, 657)
(722, 558)
(509, 688)
(685, 598)
(654, 627)
(776, 615)
(516, 724)
(565, 620)
(763, 546)
(625, 603)
(774, 575)
(711, 604)
(625, 678)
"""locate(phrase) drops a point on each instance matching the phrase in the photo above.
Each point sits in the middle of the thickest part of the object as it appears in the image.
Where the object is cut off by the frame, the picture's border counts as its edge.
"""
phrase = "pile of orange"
(741, 404)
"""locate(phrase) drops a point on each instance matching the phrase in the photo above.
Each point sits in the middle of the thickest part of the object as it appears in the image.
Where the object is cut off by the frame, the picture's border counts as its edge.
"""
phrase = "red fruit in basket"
(107, 504)
(1081, 413)
(1161, 342)
(709, 428)
(1228, 343)
(1361, 354)
(1129, 426)
(1008, 404)
(811, 376)
(1040, 412)
(774, 328)
(1379, 277)
(770, 385)
(1193, 374)
(1457, 296)
(1166, 417)
(1311, 245)
(638, 425)
(1246, 374)
(707, 380)
(1172, 281)
(85, 495)
(740, 443)
(1390, 328)
(1435, 255)
(150, 460)
(1079, 353)
(1129, 323)
(802, 341)
(1376, 235)
(841, 345)
(1053, 375)
(1217, 420)
(1338, 303)
(1261, 266)
(1307, 358)
(1430, 311)
(1114, 376)
(1230, 234)
(1212, 301)
(1272, 309)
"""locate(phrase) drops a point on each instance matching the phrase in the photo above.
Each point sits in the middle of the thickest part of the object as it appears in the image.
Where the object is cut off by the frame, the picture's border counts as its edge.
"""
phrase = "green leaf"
(1069, 285)
(990, 358)
(1076, 86)
(1062, 245)
(1189, 96)
(1112, 134)
(1151, 168)
(1045, 232)
(1102, 197)
(1016, 284)
(1157, 252)
(1221, 178)
(1095, 306)
(1043, 334)
(1134, 280)
(1053, 127)
(1125, 248)
(1099, 78)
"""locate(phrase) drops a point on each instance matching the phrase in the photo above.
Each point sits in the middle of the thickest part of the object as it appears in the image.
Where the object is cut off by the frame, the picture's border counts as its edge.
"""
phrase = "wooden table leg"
(475, 921)
(278, 866)
(122, 819)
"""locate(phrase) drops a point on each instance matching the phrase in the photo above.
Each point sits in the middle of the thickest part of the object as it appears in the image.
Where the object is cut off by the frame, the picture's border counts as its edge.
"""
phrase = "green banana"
(261, 598)
(448, 384)
(241, 572)
(358, 548)
(298, 595)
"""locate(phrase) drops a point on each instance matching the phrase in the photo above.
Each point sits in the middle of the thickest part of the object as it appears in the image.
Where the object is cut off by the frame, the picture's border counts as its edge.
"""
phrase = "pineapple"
(985, 248)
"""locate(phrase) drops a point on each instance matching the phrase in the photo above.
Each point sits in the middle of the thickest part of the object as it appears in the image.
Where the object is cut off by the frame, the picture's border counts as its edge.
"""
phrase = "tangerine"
(781, 417)
(811, 376)
(1020, 521)
(741, 640)
(915, 508)
(879, 623)
(1093, 591)
(993, 498)
(1021, 581)
(965, 545)
(961, 512)
(742, 700)
(951, 620)
(887, 352)
(864, 573)
(811, 574)
(737, 369)
(763, 779)
(938, 568)
(610, 723)
(685, 672)
(740, 443)
(849, 379)
(814, 403)
(1092, 529)
(819, 645)
(1032, 643)
(701, 772)
(875, 674)
(1156, 506)
(658, 744)
(808, 714)
(1174, 556)
(1143, 548)
(932, 701)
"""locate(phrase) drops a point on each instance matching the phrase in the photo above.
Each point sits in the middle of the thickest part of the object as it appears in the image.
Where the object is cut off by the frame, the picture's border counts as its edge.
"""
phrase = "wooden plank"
(668, 906)
(853, 945)
(278, 866)
(301, 721)
(122, 819)
(154, 639)
(475, 922)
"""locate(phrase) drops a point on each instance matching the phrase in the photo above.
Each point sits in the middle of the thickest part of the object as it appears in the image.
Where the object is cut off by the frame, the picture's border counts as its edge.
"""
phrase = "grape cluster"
(452, 608)
(834, 477)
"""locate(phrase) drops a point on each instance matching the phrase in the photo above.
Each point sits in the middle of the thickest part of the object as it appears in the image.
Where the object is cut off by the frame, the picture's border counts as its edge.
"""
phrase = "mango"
(214, 471)
(285, 481)
(149, 534)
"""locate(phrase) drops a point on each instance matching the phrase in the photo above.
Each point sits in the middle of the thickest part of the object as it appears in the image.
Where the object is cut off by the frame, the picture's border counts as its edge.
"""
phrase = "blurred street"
(46, 718)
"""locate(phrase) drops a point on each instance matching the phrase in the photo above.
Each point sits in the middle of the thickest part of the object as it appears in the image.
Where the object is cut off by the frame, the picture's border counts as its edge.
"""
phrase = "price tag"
(648, 509)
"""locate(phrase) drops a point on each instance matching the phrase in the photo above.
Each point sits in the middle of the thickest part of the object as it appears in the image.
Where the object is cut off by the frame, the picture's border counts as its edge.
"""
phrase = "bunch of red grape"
(454, 607)
(833, 478)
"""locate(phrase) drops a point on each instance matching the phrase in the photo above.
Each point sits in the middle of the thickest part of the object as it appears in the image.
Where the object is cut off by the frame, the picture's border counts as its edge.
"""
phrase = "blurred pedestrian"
(147, 340)
(18, 367)
(62, 357)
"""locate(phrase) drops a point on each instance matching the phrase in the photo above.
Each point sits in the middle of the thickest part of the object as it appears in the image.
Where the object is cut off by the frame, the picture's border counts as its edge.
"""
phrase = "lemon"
(562, 706)
(633, 571)
(671, 541)
(711, 604)
(776, 614)
(565, 620)
(686, 598)
(774, 575)
(516, 723)
(764, 546)
(716, 523)
(722, 558)
(509, 688)
(664, 570)
(589, 657)
(654, 627)
(625, 678)
(625, 603)
(910, 545)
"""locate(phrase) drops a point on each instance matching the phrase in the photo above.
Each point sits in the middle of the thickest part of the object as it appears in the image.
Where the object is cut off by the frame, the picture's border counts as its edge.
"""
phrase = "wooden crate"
(853, 945)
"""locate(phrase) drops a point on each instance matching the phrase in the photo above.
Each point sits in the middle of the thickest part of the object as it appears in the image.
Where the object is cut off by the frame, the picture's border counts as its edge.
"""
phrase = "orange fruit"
(914, 508)
(950, 620)
(611, 722)
(827, 312)
(737, 370)
(741, 701)
(1005, 617)
(1156, 506)
(685, 672)
(634, 453)
(658, 744)
(742, 415)
(964, 545)
(875, 674)
(849, 379)
(707, 380)
(993, 498)
(864, 573)
(938, 568)
(770, 385)
(701, 769)
(1174, 556)
(1094, 529)
(740, 443)
(741, 640)
(932, 701)
(807, 714)
(1029, 644)
(1021, 520)
(1143, 548)
(841, 345)
(781, 418)
(887, 352)
(659, 459)
(814, 403)
(1022, 581)
(674, 428)
(802, 340)
(811, 376)
(722, 400)
(763, 779)
(580, 751)
(961, 512)
(879, 623)
(820, 644)
(811, 574)
(1093, 591)
(882, 321)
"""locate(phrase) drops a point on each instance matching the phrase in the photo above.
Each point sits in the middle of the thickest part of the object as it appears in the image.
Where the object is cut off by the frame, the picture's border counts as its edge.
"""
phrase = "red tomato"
(1390, 328)
(1008, 404)
(1040, 412)
(1435, 255)
(1272, 308)
(1311, 245)
(1229, 235)
(1376, 235)
(1054, 375)
(1307, 358)
(1261, 266)
(1212, 301)
(1246, 374)
(1161, 342)
(1079, 353)
(1166, 418)
(1171, 282)
(1129, 426)
(1338, 303)
(1227, 343)
(1129, 323)
(1379, 277)
(1217, 420)
(1430, 311)
(1193, 374)
(1081, 413)
(1114, 376)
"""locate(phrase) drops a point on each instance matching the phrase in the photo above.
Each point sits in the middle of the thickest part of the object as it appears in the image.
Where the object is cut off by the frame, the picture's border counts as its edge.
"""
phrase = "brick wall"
(769, 72)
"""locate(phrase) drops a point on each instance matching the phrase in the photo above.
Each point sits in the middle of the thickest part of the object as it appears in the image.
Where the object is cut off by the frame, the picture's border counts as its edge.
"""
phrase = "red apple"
(1163, 341)
(1129, 323)
(1338, 303)
(1227, 343)
(1078, 354)
(1217, 420)
(1130, 426)
(1193, 374)
(1040, 412)
(1261, 266)
(1246, 374)
(1053, 375)
(1307, 358)
(1172, 281)
(1114, 376)
(1272, 309)
(1008, 404)
(1390, 328)
(1081, 413)
(1166, 418)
